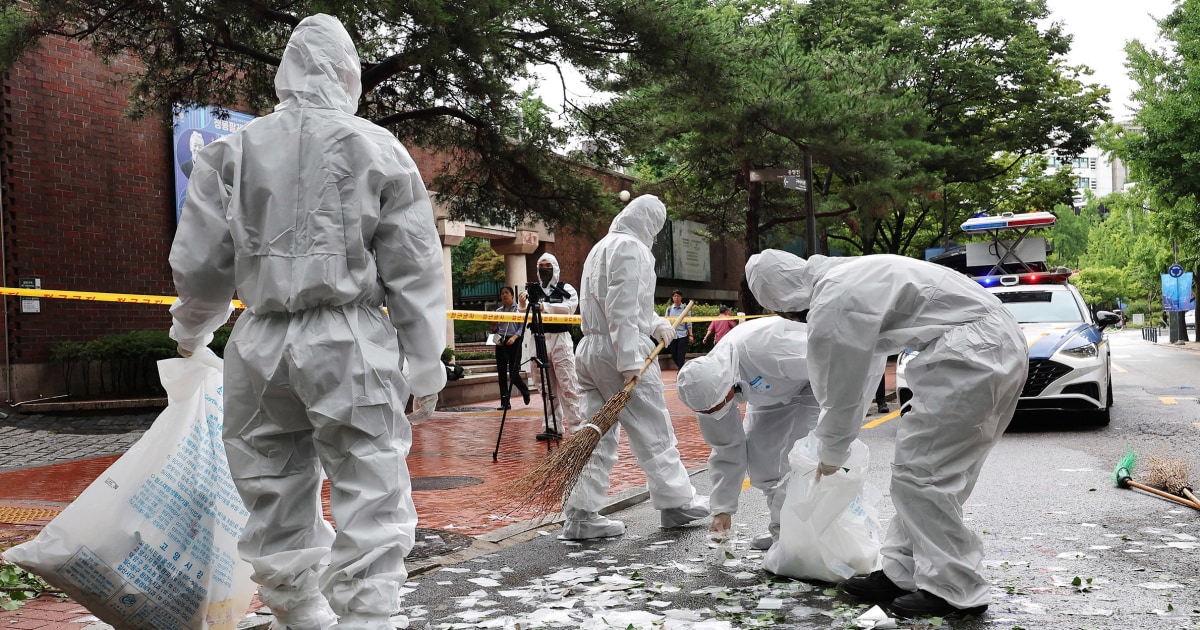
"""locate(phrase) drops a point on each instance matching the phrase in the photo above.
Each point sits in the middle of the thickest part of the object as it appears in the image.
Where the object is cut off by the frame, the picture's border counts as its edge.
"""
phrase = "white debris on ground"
(601, 592)
(1040, 579)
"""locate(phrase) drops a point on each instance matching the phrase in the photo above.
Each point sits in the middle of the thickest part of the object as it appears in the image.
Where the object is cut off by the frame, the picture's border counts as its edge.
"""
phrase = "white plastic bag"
(828, 531)
(152, 543)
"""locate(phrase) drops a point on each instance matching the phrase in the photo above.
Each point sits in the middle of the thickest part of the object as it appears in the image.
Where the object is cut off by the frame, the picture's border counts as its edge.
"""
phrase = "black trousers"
(508, 368)
(678, 349)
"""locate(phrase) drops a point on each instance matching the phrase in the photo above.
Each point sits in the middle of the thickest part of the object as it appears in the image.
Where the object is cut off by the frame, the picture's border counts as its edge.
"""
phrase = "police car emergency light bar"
(1008, 221)
(1008, 280)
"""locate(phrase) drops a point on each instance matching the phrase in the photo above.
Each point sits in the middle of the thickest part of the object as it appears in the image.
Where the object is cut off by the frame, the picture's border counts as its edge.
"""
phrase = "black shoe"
(876, 587)
(504, 406)
(883, 408)
(926, 604)
(525, 395)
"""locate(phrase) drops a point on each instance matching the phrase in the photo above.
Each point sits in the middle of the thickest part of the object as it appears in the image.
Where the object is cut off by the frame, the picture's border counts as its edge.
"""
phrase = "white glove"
(423, 409)
(664, 331)
(824, 470)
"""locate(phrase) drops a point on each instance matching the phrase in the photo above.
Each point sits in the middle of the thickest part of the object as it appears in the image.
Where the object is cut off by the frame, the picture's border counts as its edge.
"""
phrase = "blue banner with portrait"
(1177, 292)
(195, 127)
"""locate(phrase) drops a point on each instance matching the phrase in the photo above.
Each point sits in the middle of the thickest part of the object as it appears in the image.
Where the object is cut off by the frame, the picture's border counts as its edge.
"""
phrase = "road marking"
(746, 483)
(878, 421)
(1118, 368)
(1167, 400)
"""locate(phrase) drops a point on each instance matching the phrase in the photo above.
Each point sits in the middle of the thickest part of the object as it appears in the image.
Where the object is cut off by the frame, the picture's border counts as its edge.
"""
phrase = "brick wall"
(86, 199)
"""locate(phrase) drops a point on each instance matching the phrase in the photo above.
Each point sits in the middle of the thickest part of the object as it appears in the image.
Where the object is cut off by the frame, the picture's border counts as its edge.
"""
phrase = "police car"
(1069, 362)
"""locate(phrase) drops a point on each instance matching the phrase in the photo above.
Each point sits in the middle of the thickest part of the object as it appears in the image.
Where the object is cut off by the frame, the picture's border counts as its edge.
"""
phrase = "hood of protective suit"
(642, 219)
(553, 263)
(783, 282)
(320, 67)
(704, 382)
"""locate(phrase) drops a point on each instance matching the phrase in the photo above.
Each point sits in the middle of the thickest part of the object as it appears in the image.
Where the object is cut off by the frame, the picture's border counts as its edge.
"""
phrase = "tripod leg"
(498, 434)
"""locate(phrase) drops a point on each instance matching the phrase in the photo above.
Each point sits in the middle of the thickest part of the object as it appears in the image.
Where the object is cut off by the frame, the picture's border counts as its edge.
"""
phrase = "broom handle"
(1165, 495)
(654, 354)
(1187, 492)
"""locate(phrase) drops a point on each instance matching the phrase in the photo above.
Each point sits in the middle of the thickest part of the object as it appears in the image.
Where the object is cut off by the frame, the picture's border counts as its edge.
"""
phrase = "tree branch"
(453, 112)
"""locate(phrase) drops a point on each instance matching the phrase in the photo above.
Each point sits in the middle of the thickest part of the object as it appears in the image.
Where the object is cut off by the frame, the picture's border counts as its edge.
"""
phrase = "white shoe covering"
(298, 610)
(680, 516)
(762, 542)
(365, 622)
(591, 526)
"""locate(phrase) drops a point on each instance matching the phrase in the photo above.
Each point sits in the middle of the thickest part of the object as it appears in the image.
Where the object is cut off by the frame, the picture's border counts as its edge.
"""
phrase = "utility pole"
(811, 220)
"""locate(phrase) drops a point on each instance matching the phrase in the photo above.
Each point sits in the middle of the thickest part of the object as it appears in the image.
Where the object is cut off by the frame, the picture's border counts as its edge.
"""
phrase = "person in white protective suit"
(616, 304)
(763, 363)
(561, 299)
(965, 382)
(318, 219)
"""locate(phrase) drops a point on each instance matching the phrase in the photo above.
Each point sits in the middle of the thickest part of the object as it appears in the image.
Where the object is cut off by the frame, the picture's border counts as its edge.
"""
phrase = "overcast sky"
(1100, 29)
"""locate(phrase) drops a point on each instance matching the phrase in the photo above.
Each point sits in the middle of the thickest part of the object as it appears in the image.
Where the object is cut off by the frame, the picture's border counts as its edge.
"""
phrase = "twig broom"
(1122, 477)
(545, 487)
(1170, 474)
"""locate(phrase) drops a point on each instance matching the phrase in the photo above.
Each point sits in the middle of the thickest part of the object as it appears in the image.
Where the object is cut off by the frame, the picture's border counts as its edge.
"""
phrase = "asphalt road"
(1064, 547)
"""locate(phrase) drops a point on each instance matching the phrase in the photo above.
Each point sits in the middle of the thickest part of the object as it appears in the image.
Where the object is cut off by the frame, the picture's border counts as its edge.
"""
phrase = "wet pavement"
(47, 460)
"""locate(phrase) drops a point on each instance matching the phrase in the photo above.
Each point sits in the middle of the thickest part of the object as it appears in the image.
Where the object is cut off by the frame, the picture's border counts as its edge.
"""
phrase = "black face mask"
(795, 316)
(545, 275)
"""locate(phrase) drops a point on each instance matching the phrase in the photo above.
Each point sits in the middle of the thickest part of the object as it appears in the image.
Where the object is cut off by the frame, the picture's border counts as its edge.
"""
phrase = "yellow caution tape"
(478, 316)
(126, 298)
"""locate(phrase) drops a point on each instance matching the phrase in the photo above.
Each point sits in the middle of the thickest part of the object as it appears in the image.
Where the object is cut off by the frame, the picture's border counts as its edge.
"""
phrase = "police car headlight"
(1085, 351)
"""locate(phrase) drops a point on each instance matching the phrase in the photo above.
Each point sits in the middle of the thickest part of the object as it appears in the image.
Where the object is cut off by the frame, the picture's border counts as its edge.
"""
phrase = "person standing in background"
(683, 333)
(508, 351)
(561, 299)
(720, 326)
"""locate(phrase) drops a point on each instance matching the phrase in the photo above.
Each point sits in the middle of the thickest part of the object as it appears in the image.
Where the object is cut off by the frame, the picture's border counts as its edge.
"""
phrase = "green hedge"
(698, 328)
(123, 364)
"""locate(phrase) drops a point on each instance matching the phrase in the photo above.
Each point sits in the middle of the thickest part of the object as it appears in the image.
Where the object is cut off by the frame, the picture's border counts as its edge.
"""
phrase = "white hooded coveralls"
(616, 304)
(560, 349)
(965, 382)
(318, 219)
(766, 359)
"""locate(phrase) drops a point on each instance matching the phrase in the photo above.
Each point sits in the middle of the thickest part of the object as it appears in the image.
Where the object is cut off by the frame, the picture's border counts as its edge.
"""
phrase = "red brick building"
(86, 204)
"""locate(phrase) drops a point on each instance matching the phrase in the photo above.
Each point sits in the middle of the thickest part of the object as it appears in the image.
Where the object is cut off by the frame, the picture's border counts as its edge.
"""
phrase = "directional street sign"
(796, 183)
(774, 174)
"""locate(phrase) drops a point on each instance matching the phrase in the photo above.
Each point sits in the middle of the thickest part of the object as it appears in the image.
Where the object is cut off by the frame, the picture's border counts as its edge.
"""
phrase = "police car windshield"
(1042, 307)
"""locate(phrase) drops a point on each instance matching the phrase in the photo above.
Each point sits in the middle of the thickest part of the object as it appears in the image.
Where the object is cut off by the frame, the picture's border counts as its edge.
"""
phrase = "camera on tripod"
(535, 293)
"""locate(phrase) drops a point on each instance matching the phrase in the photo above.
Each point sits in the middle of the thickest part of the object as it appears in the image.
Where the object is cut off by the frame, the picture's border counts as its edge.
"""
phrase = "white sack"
(828, 531)
(151, 544)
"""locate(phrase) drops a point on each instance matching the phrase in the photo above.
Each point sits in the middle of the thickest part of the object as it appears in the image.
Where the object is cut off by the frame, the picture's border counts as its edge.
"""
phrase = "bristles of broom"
(1167, 473)
(1171, 474)
(546, 488)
